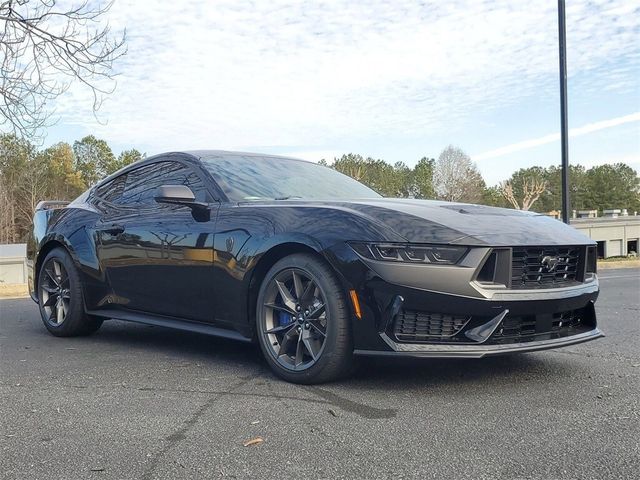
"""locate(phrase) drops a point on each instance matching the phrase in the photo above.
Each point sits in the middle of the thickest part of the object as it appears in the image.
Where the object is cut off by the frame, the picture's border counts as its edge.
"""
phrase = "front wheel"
(303, 321)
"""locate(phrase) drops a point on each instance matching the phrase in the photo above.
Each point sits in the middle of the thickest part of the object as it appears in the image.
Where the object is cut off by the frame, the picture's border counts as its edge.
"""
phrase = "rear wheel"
(60, 297)
(303, 321)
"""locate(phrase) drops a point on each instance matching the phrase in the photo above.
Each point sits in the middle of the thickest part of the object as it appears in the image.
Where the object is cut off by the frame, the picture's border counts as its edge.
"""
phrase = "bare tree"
(532, 188)
(7, 215)
(456, 178)
(43, 49)
(30, 190)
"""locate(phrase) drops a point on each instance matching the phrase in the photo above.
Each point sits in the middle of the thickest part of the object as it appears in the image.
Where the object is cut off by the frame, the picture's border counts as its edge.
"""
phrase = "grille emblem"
(549, 264)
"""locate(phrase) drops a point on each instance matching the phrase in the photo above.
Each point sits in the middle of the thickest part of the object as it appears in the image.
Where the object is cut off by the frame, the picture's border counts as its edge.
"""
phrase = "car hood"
(428, 221)
(432, 221)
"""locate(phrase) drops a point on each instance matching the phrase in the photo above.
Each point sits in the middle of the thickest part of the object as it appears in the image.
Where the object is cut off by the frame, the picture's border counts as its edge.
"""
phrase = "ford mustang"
(309, 264)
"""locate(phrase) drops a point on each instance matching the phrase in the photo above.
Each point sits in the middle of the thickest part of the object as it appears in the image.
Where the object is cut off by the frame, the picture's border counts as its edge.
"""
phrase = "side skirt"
(169, 322)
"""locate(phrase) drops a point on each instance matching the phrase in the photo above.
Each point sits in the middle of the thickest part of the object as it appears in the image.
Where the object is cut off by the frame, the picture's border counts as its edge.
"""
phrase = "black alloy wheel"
(295, 319)
(55, 296)
(303, 321)
(60, 297)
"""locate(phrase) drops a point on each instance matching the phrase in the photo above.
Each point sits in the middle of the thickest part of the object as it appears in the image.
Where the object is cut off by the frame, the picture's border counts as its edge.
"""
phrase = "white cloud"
(232, 74)
(555, 137)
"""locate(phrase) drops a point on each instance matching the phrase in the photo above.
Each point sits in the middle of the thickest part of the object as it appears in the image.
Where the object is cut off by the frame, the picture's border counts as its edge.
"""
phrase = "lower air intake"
(528, 328)
(413, 326)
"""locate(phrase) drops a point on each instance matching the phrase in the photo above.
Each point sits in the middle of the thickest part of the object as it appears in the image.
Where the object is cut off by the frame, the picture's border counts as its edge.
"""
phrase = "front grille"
(528, 328)
(545, 267)
(410, 325)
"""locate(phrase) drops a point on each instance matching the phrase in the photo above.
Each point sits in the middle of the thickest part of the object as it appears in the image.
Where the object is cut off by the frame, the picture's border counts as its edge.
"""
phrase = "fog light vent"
(412, 326)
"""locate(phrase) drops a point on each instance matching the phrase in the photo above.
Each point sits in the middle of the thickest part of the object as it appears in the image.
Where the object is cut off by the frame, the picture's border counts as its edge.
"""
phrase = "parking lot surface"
(144, 402)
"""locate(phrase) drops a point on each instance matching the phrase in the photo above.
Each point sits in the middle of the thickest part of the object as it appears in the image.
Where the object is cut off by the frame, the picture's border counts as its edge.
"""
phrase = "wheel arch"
(47, 247)
(264, 264)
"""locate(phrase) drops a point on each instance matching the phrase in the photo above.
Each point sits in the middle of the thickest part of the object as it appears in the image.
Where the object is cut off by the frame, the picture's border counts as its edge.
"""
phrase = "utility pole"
(564, 132)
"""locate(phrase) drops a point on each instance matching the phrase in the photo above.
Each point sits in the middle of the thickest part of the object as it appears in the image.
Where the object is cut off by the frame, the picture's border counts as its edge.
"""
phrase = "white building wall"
(614, 232)
(13, 266)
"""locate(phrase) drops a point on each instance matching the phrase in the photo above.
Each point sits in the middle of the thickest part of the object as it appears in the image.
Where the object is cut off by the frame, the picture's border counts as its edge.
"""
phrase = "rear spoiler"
(51, 204)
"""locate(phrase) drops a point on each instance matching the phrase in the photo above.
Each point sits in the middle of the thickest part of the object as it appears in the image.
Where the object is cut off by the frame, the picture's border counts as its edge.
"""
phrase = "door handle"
(113, 229)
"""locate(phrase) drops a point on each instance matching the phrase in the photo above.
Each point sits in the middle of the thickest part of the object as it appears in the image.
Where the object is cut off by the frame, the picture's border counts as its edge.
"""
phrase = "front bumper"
(476, 320)
(505, 322)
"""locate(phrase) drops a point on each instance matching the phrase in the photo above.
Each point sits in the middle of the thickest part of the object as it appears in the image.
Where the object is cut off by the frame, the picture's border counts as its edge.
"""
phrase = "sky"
(397, 80)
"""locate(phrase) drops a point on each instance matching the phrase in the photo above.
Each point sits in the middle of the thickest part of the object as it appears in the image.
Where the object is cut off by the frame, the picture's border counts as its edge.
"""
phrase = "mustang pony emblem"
(549, 264)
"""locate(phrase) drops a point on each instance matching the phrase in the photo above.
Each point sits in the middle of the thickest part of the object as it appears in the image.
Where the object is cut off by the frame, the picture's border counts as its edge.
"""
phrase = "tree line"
(63, 171)
(454, 177)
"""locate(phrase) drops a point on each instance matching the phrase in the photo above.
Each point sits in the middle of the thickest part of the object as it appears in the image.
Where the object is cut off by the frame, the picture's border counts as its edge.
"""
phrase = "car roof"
(228, 153)
(195, 155)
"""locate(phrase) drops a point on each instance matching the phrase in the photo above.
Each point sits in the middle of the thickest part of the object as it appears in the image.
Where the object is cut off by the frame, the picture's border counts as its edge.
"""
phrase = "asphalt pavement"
(139, 402)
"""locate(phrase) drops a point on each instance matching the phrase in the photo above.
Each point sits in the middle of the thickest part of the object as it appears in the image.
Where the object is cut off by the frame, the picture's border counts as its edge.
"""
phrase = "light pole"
(564, 133)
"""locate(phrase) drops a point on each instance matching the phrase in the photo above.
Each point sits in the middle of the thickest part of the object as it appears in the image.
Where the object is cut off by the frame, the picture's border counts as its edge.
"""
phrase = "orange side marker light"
(356, 303)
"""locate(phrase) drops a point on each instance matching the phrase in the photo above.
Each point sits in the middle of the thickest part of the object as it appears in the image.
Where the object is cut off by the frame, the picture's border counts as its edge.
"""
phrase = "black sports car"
(312, 265)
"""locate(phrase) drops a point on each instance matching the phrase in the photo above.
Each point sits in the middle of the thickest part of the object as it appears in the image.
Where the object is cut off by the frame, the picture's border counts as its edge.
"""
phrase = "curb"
(619, 264)
(14, 290)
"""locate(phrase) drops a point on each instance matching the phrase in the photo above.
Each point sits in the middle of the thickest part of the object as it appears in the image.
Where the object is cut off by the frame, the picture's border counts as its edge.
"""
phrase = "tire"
(60, 297)
(324, 332)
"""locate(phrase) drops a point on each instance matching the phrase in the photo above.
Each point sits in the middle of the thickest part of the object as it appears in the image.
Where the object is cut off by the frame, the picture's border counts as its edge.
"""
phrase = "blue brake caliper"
(284, 318)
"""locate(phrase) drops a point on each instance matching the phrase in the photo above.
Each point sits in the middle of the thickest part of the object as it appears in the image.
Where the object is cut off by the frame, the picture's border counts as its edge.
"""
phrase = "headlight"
(410, 253)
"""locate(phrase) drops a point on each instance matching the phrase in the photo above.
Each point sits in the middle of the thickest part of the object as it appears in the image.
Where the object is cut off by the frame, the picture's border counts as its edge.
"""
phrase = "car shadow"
(393, 373)
(171, 342)
(383, 373)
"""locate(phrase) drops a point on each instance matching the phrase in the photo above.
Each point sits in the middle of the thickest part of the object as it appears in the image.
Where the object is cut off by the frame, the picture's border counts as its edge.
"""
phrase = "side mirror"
(182, 195)
(174, 194)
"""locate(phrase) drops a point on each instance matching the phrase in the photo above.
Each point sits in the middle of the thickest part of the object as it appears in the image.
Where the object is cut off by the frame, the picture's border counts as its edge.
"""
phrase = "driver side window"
(142, 184)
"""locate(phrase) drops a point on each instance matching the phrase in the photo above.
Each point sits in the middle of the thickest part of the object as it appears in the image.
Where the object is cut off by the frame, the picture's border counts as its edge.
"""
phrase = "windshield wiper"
(287, 197)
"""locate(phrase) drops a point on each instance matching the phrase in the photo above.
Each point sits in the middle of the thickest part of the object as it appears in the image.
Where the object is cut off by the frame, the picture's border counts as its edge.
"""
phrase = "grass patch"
(618, 259)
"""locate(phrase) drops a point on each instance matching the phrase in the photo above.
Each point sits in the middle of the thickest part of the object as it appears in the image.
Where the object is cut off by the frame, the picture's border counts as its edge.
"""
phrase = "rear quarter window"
(112, 190)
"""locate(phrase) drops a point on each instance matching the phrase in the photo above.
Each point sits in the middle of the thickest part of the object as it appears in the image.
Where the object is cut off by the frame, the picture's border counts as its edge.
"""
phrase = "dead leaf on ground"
(253, 441)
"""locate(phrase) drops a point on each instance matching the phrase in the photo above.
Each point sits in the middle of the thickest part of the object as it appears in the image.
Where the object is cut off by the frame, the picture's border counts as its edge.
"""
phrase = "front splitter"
(476, 351)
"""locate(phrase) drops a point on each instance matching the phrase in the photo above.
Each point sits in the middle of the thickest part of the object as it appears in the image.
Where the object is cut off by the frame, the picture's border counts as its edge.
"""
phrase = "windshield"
(250, 177)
